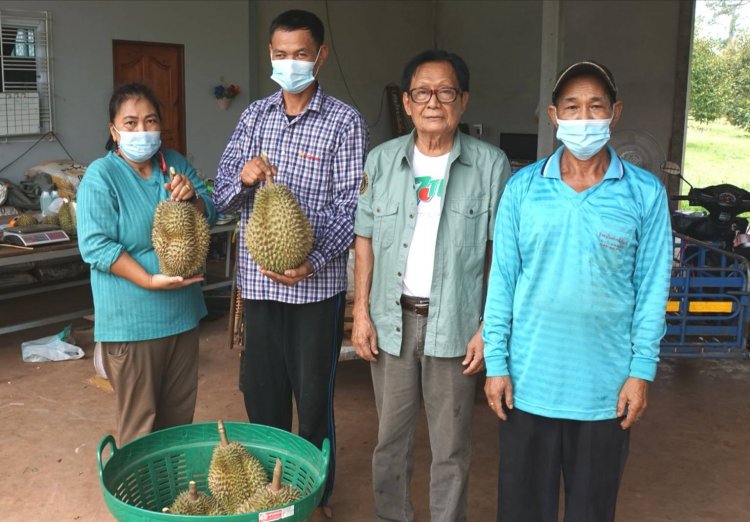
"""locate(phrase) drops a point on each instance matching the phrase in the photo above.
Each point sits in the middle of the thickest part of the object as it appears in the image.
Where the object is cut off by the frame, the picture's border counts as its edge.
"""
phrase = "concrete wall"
(374, 40)
(501, 42)
(216, 39)
(637, 40)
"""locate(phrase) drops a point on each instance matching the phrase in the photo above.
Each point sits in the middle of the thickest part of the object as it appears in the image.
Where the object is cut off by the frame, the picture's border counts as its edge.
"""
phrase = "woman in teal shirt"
(147, 322)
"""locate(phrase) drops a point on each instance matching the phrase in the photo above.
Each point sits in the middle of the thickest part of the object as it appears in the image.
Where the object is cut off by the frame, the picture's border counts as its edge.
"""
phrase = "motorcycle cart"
(708, 312)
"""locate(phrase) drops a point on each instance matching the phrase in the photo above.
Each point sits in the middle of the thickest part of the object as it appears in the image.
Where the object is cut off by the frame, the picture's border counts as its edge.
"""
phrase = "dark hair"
(124, 93)
(588, 68)
(296, 19)
(436, 55)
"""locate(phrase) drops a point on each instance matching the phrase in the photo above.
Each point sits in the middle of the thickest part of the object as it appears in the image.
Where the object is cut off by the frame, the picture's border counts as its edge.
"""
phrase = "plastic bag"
(99, 361)
(52, 348)
(54, 206)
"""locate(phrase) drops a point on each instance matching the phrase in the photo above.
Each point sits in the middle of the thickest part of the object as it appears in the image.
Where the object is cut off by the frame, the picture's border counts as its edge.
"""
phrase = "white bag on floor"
(52, 348)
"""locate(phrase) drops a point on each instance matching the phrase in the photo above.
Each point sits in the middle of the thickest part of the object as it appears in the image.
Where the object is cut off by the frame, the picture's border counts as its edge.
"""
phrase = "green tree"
(737, 61)
(708, 82)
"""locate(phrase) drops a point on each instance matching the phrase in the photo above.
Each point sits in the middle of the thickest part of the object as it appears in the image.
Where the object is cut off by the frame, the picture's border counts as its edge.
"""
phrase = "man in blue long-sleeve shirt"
(575, 310)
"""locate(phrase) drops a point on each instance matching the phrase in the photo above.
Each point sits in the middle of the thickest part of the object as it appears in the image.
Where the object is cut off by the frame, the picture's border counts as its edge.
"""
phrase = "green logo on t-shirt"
(427, 188)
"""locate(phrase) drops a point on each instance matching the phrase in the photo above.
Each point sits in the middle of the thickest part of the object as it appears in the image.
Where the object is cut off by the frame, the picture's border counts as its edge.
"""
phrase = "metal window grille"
(25, 74)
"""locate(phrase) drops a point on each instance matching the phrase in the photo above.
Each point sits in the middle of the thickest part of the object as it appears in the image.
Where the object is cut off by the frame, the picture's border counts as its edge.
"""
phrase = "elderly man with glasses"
(425, 217)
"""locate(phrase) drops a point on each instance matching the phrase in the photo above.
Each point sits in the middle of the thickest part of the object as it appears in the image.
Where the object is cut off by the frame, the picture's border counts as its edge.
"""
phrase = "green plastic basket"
(145, 475)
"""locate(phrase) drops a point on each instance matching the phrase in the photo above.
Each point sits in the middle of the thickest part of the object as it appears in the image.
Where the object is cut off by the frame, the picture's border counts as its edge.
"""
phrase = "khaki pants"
(155, 383)
(449, 403)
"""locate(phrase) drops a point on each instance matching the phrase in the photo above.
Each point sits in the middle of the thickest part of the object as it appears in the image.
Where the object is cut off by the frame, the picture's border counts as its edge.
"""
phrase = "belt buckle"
(421, 309)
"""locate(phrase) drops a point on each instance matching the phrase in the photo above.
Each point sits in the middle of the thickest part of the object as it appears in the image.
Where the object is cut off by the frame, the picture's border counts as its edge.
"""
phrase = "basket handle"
(108, 440)
(325, 448)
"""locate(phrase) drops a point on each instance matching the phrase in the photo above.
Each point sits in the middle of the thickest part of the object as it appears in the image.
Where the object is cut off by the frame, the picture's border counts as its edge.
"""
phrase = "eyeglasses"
(444, 94)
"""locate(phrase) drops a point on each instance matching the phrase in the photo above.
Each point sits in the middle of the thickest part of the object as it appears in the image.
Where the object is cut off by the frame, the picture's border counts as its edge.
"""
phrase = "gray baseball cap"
(585, 68)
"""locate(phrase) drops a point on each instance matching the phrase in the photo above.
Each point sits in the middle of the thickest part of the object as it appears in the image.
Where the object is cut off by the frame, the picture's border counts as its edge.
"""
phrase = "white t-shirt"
(429, 172)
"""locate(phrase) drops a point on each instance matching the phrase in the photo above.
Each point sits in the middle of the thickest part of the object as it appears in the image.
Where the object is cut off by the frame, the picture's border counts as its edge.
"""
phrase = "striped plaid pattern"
(320, 156)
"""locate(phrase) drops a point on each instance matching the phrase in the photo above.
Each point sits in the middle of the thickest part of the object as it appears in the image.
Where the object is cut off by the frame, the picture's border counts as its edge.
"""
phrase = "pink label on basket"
(276, 514)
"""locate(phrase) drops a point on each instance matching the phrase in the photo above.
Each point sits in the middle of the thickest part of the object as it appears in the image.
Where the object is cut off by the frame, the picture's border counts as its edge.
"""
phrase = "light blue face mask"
(584, 138)
(139, 146)
(293, 75)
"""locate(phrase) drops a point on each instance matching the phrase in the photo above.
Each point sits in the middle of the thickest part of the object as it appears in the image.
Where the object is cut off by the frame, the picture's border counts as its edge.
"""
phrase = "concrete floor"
(690, 456)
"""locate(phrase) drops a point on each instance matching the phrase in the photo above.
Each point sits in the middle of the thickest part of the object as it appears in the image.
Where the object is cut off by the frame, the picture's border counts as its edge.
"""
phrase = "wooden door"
(161, 67)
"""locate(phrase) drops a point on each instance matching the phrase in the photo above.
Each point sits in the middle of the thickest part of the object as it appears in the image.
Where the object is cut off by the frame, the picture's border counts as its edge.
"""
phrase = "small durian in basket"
(234, 474)
(194, 502)
(273, 495)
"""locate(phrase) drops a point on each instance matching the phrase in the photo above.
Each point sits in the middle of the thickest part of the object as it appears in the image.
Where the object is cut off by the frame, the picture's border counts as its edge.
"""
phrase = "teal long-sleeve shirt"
(115, 210)
(578, 288)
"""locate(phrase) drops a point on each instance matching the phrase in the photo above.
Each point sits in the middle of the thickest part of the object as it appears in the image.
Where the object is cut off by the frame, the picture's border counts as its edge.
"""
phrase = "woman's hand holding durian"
(164, 282)
(130, 269)
(182, 189)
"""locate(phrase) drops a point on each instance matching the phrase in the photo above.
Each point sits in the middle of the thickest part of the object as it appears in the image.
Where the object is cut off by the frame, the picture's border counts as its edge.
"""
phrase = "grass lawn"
(716, 153)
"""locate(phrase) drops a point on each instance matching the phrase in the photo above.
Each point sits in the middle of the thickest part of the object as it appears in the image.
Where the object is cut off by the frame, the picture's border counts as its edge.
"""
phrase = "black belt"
(418, 305)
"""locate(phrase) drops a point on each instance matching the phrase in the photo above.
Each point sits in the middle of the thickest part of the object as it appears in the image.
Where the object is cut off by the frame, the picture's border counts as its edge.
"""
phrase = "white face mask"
(584, 138)
(139, 146)
(294, 76)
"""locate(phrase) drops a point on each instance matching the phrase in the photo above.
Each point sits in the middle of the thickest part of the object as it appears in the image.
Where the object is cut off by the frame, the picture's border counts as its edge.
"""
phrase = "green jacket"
(387, 209)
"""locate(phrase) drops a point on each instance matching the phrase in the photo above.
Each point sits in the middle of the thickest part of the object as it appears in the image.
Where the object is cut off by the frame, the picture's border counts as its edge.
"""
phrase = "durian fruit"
(24, 220)
(278, 235)
(180, 236)
(51, 219)
(194, 502)
(67, 217)
(273, 495)
(256, 473)
(228, 479)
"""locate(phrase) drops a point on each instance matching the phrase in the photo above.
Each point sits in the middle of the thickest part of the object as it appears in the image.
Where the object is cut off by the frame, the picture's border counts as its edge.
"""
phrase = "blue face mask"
(583, 138)
(139, 146)
(293, 75)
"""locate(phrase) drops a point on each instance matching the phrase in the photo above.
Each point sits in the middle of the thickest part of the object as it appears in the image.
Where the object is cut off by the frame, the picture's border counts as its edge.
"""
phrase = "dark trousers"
(291, 351)
(535, 450)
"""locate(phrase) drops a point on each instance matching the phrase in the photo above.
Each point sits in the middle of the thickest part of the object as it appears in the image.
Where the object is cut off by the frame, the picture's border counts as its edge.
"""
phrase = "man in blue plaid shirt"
(315, 145)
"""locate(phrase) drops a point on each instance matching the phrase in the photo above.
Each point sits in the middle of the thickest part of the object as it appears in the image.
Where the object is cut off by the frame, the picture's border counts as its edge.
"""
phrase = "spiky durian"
(180, 236)
(24, 220)
(67, 218)
(51, 219)
(256, 473)
(228, 479)
(194, 502)
(278, 235)
(273, 495)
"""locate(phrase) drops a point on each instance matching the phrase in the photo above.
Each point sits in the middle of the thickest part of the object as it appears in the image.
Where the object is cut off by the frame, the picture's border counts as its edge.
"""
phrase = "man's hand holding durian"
(292, 276)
